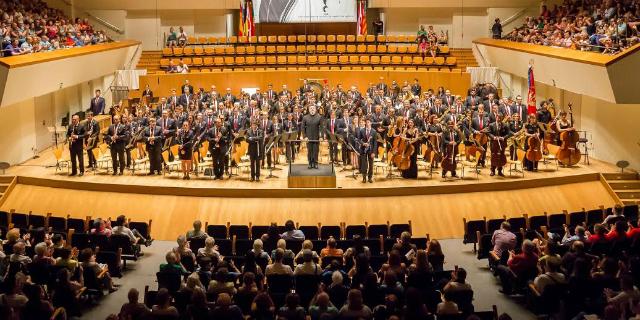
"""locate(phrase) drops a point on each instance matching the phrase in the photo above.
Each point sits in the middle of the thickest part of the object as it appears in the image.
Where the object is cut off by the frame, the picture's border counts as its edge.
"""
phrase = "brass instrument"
(517, 139)
(135, 138)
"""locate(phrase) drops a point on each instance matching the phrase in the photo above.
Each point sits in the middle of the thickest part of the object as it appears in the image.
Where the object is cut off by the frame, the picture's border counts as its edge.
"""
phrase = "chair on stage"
(171, 164)
(514, 164)
(474, 163)
(102, 156)
(135, 161)
(62, 159)
(551, 157)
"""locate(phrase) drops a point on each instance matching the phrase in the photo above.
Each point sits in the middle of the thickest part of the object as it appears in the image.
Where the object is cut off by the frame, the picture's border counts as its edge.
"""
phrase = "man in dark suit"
(91, 138)
(290, 125)
(97, 104)
(254, 138)
(148, 94)
(344, 124)
(416, 89)
(168, 127)
(494, 114)
(116, 137)
(498, 133)
(285, 91)
(186, 98)
(472, 100)
(186, 86)
(153, 138)
(448, 99)
(173, 100)
(437, 109)
(383, 86)
(367, 141)
(236, 121)
(450, 140)
(265, 126)
(519, 108)
(311, 128)
(229, 96)
(272, 95)
(75, 135)
(479, 124)
(331, 127)
(217, 137)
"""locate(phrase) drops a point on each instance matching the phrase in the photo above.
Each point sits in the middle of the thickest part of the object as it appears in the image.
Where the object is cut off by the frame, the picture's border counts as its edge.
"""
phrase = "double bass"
(534, 153)
(449, 157)
(568, 154)
(402, 151)
(498, 149)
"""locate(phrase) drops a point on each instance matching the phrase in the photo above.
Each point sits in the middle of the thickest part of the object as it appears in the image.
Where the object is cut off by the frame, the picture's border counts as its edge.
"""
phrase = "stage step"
(4, 186)
(631, 194)
(620, 176)
(6, 179)
(624, 184)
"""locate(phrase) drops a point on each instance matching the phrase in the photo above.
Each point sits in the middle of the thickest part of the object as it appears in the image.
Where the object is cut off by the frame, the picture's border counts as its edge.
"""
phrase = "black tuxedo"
(97, 105)
(255, 138)
(237, 123)
(92, 131)
(76, 147)
(185, 99)
(154, 141)
(416, 89)
(184, 87)
(117, 137)
(367, 146)
(218, 149)
(449, 136)
(472, 101)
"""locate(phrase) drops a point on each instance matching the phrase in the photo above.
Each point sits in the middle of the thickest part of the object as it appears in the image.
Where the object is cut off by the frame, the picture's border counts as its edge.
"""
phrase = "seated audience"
(225, 309)
(287, 254)
(278, 267)
(308, 266)
(503, 239)
(163, 308)
(322, 308)
(134, 309)
(102, 227)
(196, 232)
(210, 250)
(355, 309)
(331, 250)
(292, 309)
(520, 267)
(291, 233)
(88, 262)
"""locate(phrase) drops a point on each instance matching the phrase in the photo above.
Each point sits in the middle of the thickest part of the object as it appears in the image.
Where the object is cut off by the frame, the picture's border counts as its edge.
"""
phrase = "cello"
(534, 153)
(498, 148)
(568, 154)
(449, 157)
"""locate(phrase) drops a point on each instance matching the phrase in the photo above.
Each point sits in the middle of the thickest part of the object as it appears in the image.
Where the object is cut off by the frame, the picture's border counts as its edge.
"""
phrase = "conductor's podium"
(300, 176)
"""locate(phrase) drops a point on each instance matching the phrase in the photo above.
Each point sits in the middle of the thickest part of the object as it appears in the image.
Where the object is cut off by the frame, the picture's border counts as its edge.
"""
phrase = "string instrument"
(478, 140)
(449, 158)
(403, 149)
(432, 151)
(550, 132)
(568, 153)
(137, 136)
(498, 156)
(534, 153)
(382, 147)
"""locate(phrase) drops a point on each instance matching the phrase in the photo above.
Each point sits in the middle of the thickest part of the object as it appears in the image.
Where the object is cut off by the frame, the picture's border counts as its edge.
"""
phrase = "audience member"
(196, 232)
(291, 233)
(355, 309)
(163, 308)
(134, 309)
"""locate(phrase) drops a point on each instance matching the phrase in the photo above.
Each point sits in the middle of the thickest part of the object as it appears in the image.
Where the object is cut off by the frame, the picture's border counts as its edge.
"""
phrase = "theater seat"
(351, 38)
(403, 49)
(451, 61)
(321, 38)
(331, 38)
(262, 39)
(282, 39)
(439, 61)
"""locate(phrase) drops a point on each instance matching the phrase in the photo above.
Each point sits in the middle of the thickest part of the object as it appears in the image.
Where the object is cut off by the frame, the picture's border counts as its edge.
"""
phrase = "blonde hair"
(307, 244)
(13, 235)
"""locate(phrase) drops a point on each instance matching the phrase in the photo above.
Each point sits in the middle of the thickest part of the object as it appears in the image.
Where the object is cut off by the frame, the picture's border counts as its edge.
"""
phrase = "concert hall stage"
(434, 205)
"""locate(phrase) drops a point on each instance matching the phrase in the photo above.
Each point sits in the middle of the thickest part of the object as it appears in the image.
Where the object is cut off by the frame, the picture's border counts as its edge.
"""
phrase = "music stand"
(341, 139)
(353, 174)
(238, 139)
(285, 138)
(271, 142)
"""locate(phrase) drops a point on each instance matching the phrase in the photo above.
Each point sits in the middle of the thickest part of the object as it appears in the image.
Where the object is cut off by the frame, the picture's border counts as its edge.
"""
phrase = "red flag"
(250, 25)
(531, 97)
(241, 20)
(362, 17)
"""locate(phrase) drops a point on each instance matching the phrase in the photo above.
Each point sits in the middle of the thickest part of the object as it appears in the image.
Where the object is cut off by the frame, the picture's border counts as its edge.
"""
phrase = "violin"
(568, 154)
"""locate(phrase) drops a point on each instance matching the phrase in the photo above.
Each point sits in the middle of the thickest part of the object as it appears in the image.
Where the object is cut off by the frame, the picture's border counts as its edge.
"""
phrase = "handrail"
(104, 22)
(514, 17)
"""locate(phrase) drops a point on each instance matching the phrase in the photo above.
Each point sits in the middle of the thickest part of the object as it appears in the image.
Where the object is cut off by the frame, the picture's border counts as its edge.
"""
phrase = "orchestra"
(404, 126)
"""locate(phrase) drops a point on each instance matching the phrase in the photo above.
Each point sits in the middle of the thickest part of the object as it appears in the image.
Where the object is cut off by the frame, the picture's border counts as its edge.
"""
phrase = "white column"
(230, 24)
(383, 17)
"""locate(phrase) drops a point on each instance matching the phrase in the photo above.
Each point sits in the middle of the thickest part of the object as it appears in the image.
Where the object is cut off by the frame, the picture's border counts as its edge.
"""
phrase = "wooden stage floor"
(434, 206)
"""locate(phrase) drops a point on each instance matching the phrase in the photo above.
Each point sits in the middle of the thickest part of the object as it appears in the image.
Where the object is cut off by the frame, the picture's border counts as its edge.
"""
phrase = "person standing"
(153, 138)
(185, 142)
(116, 136)
(97, 104)
(254, 137)
(91, 141)
(496, 29)
(76, 134)
(311, 124)
(217, 136)
(368, 140)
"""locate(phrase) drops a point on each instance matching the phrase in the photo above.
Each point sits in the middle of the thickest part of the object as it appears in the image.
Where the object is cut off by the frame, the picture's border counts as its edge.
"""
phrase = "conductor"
(311, 129)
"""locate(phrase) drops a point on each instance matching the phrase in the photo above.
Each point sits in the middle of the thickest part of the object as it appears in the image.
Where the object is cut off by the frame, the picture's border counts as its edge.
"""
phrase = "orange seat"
(292, 39)
(240, 61)
(186, 60)
(402, 49)
(371, 48)
(312, 59)
(271, 49)
(382, 48)
(382, 38)
(208, 51)
(218, 61)
(406, 60)
(302, 60)
(322, 38)
(250, 60)
(331, 38)
(229, 50)
(443, 49)
(197, 62)
(253, 39)
(351, 38)
(208, 61)
(261, 60)
(261, 49)
(341, 48)
(282, 59)
(412, 38)
(282, 39)
(365, 60)
(232, 40)
(392, 49)
(229, 61)
(301, 49)
(272, 39)
(177, 52)
(360, 38)
(191, 40)
(429, 61)
(321, 48)
(219, 51)
(341, 38)
(412, 50)
(241, 50)
(271, 60)
(375, 60)
(167, 52)
(439, 61)
(310, 48)
(312, 38)
(385, 60)
(323, 59)
(187, 51)
(354, 60)
(250, 50)
(370, 38)
(202, 40)
(451, 61)
(392, 39)
(362, 48)
(164, 63)
(212, 40)
(302, 38)
(281, 49)
(262, 39)
(351, 48)
(243, 39)
(338, 59)
(402, 38)
(418, 60)
(291, 49)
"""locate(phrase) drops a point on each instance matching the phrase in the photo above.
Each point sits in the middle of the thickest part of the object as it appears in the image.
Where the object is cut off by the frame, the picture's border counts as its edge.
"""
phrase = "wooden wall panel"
(161, 85)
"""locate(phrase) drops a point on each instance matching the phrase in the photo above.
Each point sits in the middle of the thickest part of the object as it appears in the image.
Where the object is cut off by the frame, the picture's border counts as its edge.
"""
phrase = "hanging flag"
(531, 97)
(250, 27)
(362, 17)
(241, 26)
